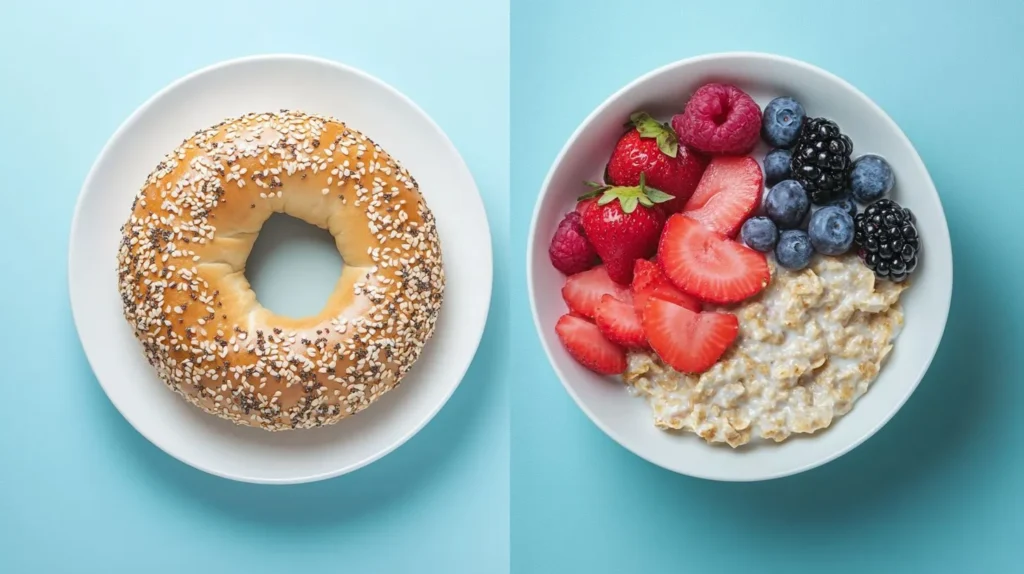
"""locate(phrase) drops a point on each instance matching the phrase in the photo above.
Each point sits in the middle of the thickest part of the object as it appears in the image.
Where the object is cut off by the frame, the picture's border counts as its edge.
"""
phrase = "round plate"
(663, 92)
(204, 98)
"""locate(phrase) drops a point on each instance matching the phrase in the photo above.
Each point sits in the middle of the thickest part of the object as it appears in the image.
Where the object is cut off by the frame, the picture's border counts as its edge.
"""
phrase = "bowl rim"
(599, 110)
(287, 57)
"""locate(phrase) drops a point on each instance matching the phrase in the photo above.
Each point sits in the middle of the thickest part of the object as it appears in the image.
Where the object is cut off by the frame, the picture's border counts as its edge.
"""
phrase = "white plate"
(663, 92)
(202, 99)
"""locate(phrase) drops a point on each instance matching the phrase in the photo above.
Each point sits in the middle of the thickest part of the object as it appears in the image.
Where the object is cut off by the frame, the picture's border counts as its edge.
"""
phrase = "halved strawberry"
(588, 346)
(727, 194)
(708, 266)
(620, 323)
(650, 281)
(688, 342)
(582, 292)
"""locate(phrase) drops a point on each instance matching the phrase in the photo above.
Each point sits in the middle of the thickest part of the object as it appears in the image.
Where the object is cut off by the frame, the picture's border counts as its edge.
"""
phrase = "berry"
(846, 204)
(652, 149)
(794, 250)
(888, 240)
(776, 166)
(781, 122)
(728, 193)
(623, 226)
(650, 282)
(688, 342)
(759, 233)
(821, 159)
(570, 252)
(870, 178)
(787, 204)
(583, 291)
(708, 266)
(583, 205)
(589, 347)
(831, 230)
(719, 118)
(620, 323)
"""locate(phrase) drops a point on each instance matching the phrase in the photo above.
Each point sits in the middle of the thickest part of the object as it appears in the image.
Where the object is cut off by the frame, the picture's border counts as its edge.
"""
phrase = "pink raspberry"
(719, 118)
(570, 250)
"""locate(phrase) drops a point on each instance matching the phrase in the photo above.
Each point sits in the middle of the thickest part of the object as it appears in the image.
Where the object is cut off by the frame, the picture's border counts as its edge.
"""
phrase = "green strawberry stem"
(668, 141)
(629, 196)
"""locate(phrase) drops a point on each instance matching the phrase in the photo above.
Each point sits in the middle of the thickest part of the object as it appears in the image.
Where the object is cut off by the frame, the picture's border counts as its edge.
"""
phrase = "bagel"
(181, 271)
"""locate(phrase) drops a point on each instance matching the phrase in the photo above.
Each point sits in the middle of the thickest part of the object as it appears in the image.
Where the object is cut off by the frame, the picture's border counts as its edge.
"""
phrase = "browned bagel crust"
(182, 257)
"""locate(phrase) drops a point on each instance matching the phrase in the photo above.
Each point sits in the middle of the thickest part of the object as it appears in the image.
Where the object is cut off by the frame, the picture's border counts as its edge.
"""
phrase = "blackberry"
(888, 240)
(821, 160)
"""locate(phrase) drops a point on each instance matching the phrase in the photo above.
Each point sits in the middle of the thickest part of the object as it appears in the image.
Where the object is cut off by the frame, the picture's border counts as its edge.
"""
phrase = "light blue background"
(941, 488)
(80, 490)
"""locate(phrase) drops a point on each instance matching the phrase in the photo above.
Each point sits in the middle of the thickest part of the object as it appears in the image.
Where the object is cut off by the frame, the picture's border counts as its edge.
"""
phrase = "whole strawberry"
(653, 149)
(624, 225)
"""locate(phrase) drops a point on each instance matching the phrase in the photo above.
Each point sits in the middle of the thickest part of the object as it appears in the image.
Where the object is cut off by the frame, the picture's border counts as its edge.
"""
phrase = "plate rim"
(611, 99)
(138, 112)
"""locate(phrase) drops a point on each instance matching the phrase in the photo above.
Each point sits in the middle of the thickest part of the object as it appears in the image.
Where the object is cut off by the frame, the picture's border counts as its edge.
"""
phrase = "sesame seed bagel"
(181, 271)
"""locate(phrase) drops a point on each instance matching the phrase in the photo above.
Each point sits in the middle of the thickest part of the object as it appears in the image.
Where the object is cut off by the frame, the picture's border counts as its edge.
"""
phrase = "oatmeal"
(808, 347)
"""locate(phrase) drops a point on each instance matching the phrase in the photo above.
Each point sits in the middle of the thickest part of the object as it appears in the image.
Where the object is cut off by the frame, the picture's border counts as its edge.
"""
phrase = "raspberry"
(719, 118)
(570, 250)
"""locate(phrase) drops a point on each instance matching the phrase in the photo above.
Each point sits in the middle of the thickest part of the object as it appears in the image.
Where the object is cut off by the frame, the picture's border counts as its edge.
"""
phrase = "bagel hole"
(293, 267)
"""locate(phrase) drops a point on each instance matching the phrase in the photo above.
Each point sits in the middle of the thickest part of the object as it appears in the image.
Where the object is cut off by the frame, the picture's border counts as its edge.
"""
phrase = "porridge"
(808, 347)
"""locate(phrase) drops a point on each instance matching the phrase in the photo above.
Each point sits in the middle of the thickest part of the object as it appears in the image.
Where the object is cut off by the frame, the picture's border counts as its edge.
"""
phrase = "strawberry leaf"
(663, 134)
(596, 189)
(629, 196)
(654, 195)
(658, 196)
(628, 203)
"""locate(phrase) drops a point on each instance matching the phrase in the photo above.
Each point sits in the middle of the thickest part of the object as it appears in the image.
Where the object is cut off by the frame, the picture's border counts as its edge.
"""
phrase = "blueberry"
(846, 204)
(776, 166)
(787, 204)
(794, 249)
(831, 231)
(759, 233)
(871, 178)
(781, 121)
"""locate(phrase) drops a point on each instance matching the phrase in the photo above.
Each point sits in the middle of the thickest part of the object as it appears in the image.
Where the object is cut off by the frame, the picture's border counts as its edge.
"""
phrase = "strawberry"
(583, 291)
(688, 342)
(709, 266)
(624, 225)
(728, 194)
(620, 323)
(583, 205)
(588, 346)
(650, 281)
(652, 148)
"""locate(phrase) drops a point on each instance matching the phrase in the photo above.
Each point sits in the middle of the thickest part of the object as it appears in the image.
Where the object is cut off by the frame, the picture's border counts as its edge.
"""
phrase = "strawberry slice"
(650, 281)
(727, 194)
(708, 266)
(583, 291)
(688, 342)
(619, 322)
(588, 346)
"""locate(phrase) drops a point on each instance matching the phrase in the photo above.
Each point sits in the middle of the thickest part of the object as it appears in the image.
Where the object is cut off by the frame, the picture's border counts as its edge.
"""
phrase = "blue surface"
(80, 490)
(939, 489)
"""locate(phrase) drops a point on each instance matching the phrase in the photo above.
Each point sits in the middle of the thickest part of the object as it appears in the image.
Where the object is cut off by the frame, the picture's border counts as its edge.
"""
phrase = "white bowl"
(261, 84)
(663, 92)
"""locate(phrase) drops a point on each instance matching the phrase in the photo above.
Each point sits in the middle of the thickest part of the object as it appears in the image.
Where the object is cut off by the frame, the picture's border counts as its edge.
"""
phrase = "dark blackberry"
(821, 160)
(888, 240)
